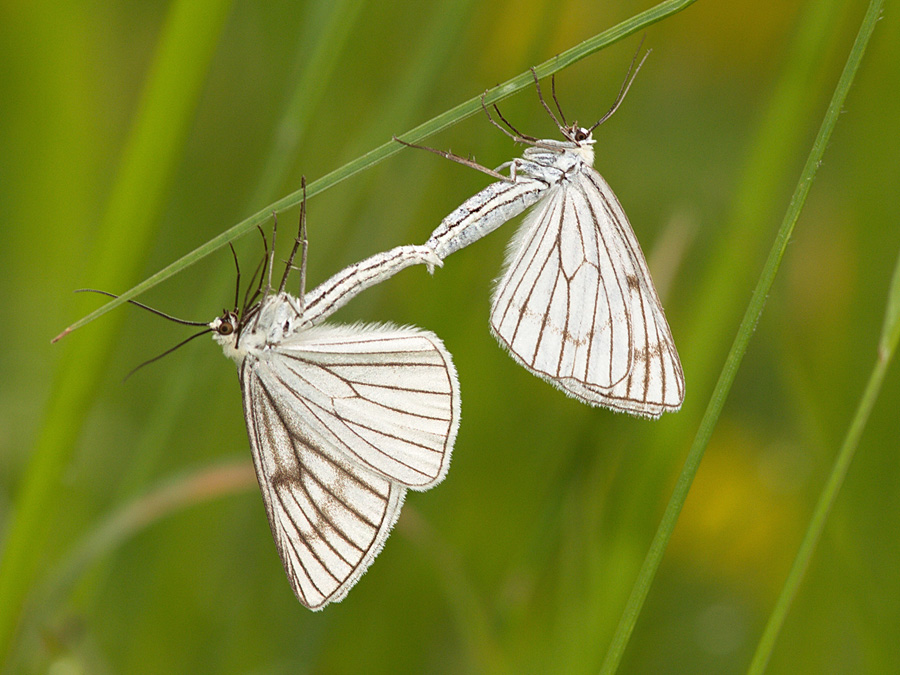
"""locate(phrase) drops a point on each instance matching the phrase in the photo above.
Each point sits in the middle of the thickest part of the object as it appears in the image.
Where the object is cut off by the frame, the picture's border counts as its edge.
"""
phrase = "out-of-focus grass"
(522, 559)
(154, 144)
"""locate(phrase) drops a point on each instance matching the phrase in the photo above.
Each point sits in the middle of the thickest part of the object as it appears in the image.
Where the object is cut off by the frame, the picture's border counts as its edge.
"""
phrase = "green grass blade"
(385, 150)
(886, 349)
(890, 332)
(773, 151)
(776, 145)
(772, 156)
(151, 155)
(751, 317)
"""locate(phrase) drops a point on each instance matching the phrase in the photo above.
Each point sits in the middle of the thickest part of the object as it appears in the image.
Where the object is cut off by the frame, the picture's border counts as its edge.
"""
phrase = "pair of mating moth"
(344, 419)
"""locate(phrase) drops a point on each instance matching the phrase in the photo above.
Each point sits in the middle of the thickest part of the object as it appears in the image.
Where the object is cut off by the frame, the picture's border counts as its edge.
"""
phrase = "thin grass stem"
(886, 349)
(385, 150)
(726, 378)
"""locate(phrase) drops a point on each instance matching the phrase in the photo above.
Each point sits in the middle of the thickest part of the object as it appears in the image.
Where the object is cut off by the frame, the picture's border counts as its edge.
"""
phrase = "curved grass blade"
(419, 133)
(328, 32)
(160, 501)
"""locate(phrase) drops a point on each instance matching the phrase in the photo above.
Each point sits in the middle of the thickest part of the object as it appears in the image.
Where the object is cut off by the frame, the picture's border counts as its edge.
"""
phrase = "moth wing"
(387, 397)
(655, 383)
(576, 305)
(329, 517)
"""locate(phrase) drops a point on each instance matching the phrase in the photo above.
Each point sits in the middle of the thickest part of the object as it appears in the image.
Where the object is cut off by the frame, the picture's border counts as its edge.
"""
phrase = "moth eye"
(226, 328)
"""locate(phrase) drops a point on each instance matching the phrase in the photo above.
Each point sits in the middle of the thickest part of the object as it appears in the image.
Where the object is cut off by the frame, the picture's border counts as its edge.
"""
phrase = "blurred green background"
(522, 559)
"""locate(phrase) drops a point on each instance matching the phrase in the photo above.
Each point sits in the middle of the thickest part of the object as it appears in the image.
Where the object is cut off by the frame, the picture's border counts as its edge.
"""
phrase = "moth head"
(225, 325)
(582, 139)
(226, 330)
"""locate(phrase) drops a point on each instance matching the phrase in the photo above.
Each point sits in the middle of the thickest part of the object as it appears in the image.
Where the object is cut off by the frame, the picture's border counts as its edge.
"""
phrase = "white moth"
(575, 304)
(342, 420)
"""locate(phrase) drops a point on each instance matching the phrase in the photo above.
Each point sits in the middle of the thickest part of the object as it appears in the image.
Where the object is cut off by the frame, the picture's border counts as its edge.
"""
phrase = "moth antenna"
(299, 242)
(271, 254)
(556, 100)
(537, 85)
(237, 283)
(305, 245)
(143, 306)
(626, 85)
(261, 271)
(167, 352)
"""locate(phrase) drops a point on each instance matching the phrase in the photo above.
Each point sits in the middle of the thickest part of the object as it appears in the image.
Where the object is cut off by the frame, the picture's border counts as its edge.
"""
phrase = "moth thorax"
(585, 142)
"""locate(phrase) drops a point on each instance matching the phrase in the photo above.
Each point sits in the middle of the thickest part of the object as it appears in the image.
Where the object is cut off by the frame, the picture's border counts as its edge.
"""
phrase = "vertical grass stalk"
(886, 348)
(757, 302)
